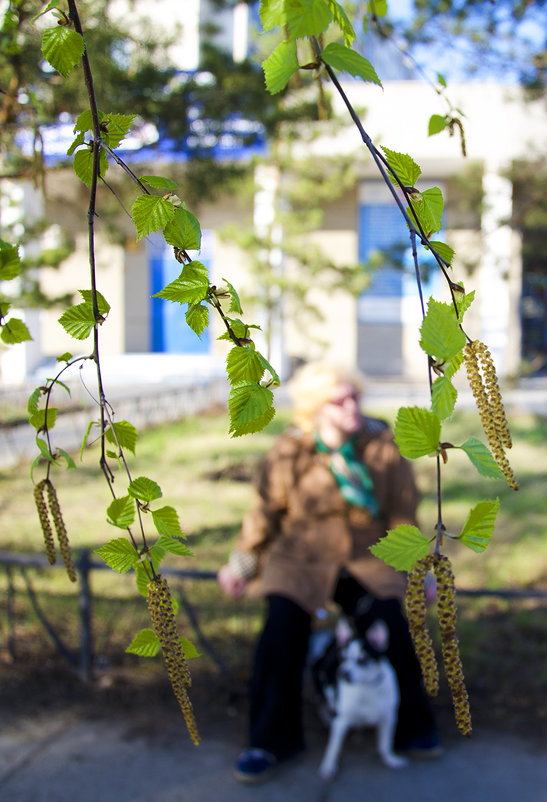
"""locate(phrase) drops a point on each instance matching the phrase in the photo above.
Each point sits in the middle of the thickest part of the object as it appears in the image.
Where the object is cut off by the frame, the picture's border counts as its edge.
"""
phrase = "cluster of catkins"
(160, 605)
(416, 610)
(51, 507)
(488, 400)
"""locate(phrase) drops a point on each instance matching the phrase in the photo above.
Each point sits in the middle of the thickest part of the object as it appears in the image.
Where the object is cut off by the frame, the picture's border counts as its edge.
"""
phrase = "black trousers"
(276, 682)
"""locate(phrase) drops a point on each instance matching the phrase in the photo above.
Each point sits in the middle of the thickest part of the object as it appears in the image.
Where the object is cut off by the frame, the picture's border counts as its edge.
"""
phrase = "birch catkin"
(160, 606)
(45, 523)
(416, 612)
(46, 512)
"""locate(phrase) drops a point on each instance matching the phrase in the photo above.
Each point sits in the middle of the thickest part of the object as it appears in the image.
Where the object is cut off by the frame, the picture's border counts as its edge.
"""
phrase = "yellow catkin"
(160, 606)
(446, 602)
(60, 529)
(488, 401)
(416, 612)
(45, 522)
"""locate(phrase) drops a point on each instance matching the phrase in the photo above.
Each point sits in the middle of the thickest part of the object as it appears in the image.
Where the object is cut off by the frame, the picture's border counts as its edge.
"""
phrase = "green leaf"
(14, 331)
(243, 364)
(235, 304)
(119, 554)
(188, 649)
(239, 328)
(67, 458)
(183, 231)
(271, 371)
(62, 48)
(307, 17)
(197, 318)
(454, 365)
(144, 489)
(437, 123)
(167, 522)
(442, 336)
(417, 432)
(33, 401)
(443, 397)
(145, 643)
(66, 357)
(159, 182)
(463, 302)
(90, 425)
(342, 20)
(431, 208)
(84, 121)
(482, 458)
(378, 8)
(444, 250)
(405, 167)
(441, 79)
(142, 579)
(279, 67)
(479, 527)
(272, 14)
(117, 126)
(255, 425)
(150, 213)
(402, 547)
(44, 452)
(83, 164)
(121, 512)
(80, 140)
(126, 435)
(102, 305)
(42, 420)
(190, 287)
(78, 321)
(10, 263)
(248, 404)
(174, 546)
(344, 59)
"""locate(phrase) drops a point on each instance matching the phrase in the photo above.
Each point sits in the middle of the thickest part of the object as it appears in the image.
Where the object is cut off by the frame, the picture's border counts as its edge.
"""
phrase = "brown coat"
(303, 531)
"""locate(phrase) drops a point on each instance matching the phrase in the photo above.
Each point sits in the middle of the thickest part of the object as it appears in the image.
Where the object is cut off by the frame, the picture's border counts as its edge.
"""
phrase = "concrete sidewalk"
(63, 759)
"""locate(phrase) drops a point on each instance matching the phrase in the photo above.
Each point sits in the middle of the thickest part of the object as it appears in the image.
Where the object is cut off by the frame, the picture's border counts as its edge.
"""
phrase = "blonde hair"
(313, 385)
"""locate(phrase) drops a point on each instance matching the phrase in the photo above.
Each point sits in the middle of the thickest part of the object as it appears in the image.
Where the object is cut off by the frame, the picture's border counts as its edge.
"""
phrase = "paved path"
(63, 759)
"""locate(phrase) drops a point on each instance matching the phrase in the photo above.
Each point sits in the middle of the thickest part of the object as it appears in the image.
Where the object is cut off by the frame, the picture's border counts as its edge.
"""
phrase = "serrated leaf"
(307, 17)
(239, 328)
(402, 547)
(443, 397)
(10, 263)
(463, 302)
(243, 364)
(428, 208)
(444, 250)
(279, 67)
(183, 231)
(344, 59)
(190, 287)
(14, 331)
(142, 579)
(417, 432)
(126, 435)
(342, 20)
(441, 335)
(268, 367)
(272, 14)
(166, 521)
(255, 425)
(188, 649)
(33, 401)
(145, 643)
(119, 554)
(83, 164)
(235, 304)
(482, 458)
(159, 182)
(78, 321)
(43, 448)
(102, 304)
(42, 419)
(144, 489)
(247, 404)
(197, 318)
(150, 213)
(174, 546)
(117, 126)
(437, 123)
(404, 165)
(479, 527)
(79, 140)
(62, 48)
(454, 365)
(84, 120)
(121, 512)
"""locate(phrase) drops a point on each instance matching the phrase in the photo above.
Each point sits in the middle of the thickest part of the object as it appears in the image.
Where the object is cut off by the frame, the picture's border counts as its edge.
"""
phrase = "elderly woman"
(328, 490)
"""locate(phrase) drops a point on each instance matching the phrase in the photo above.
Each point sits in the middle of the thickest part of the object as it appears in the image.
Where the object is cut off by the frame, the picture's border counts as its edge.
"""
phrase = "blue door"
(169, 331)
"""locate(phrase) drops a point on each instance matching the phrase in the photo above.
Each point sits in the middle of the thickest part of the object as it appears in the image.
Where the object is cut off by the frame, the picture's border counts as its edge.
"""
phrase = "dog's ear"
(343, 633)
(378, 635)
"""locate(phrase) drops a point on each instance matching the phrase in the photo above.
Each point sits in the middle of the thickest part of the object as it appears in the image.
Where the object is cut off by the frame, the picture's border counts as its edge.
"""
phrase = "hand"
(231, 583)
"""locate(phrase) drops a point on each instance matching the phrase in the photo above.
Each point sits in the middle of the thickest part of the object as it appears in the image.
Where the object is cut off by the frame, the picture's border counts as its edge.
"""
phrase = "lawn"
(208, 478)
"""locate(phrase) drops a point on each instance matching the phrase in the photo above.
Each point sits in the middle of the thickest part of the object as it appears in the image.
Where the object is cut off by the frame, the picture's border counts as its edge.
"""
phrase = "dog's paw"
(327, 771)
(394, 761)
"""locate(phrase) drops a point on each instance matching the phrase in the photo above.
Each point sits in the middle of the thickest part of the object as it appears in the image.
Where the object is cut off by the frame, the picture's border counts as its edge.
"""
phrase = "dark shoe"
(254, 766)
(424, 747)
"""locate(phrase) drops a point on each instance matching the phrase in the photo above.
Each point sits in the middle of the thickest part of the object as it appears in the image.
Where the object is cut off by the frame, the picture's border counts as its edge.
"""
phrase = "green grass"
(206, 476)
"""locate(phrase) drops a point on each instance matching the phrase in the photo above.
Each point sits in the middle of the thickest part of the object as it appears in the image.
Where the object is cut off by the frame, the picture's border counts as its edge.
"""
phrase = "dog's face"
(358, 664)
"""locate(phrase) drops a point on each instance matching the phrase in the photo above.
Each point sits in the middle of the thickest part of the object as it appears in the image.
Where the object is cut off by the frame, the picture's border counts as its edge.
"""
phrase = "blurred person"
(330, 488)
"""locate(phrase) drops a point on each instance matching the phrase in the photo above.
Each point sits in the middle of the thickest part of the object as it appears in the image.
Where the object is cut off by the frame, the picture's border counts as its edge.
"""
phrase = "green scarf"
(351, 475)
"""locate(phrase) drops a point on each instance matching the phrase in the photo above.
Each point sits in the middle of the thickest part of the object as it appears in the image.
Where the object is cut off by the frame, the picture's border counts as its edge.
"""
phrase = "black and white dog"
(356, 687)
